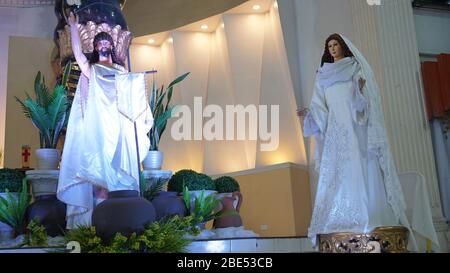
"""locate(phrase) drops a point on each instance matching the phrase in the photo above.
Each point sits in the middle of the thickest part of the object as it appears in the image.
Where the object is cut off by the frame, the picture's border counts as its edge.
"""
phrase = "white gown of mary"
(358, 188)
(100, 147)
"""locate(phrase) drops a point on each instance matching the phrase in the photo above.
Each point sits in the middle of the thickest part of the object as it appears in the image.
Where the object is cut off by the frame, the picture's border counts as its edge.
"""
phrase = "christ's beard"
(105, 53)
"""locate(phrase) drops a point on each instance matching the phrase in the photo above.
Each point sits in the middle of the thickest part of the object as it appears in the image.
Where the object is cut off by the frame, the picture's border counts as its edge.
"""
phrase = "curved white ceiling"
(153, 16)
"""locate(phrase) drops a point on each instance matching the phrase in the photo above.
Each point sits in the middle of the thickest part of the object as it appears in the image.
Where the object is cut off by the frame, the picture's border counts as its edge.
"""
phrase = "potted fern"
(201, 208)
(13, 208)
(10, 185)
(162, 110)
(198, 184)
(49, 114)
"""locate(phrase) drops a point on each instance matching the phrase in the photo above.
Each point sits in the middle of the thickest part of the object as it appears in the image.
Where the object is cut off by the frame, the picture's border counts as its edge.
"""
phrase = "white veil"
(378, 141)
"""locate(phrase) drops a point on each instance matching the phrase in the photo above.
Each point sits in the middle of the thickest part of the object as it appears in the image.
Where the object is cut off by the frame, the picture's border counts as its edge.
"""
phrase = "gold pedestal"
(382, 239)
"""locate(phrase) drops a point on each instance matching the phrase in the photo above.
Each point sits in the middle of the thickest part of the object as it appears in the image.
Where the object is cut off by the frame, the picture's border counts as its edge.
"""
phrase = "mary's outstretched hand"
(302, 112)
(362, 83)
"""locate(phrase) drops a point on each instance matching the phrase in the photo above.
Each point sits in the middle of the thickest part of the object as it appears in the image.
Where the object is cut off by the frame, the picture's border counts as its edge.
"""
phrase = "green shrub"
(36, 235)
(12, 209)
(10, 180)
(164, 236)
(226, 184)
(191, 179)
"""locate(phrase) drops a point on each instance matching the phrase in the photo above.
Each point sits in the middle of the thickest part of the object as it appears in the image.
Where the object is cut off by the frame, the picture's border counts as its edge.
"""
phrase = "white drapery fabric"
(419, 211)
(100, 146)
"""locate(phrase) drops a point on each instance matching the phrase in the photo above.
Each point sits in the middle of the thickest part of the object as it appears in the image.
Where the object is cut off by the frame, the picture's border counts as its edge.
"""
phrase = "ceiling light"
(256, 7)
(151, 41)
(170, 40)
(204, 26)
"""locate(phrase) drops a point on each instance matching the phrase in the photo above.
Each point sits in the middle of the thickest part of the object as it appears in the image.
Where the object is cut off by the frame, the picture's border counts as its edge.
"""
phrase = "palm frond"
(56, 112)
(48, 112)
(39, 116)
(41, 91)
(25, 109)
(156, 187)
(66, 74)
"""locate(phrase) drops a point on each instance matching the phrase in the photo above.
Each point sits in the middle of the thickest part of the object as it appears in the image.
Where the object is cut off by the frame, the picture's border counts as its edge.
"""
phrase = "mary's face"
(335, 49)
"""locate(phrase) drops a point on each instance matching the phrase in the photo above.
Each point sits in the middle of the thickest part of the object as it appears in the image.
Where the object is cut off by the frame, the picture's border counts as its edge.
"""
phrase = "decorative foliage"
(86, 237)
(12, 209)
(154, 189)
(191, 179)
(49, 112)
(161, 111)
(36, 235)
(10, 180)
(226, 184)
(165, 236)
(204, 208)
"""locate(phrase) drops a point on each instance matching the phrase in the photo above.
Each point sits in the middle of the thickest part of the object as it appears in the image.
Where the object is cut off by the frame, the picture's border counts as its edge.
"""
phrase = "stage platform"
(234, 245)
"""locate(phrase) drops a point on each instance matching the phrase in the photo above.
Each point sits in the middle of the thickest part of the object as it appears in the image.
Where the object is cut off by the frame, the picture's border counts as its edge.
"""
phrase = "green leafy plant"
(48, 112)
(191, 179)
(87, 238)
(162, 110)
(165, 236)
(155, 188)
(150, 192)
(10, 180)
(36, 235)
(226, 184)
(12, 209)
(202, 209)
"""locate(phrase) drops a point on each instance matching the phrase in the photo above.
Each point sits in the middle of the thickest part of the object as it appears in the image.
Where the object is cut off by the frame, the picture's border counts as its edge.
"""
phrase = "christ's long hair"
(327, 58)
(103, 36)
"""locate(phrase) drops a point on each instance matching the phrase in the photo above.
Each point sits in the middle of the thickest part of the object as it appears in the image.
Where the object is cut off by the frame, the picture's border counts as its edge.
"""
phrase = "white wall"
(26, 56)
(29, 22)
(242, 62)
(433, 31)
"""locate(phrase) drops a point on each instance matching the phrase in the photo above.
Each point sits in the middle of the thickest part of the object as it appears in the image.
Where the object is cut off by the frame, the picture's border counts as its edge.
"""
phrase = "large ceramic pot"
(168, 203)
(231, 217)
(48, 211)
(47, 159)
(123, 212)
(153, 160)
